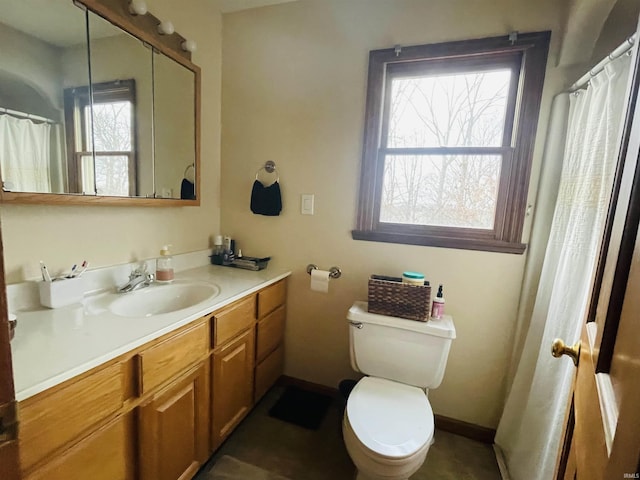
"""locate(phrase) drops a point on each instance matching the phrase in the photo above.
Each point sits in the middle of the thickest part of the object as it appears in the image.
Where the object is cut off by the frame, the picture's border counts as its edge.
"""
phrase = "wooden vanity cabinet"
(250, 361)
(142, 415)
(157, 412)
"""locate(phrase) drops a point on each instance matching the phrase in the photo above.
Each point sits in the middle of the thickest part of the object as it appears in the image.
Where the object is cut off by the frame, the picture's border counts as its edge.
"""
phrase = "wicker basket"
(389, 296)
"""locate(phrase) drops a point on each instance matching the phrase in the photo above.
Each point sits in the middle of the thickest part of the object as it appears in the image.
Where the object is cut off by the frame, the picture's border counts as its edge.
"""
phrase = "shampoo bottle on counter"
(164, 266)
(437, 307)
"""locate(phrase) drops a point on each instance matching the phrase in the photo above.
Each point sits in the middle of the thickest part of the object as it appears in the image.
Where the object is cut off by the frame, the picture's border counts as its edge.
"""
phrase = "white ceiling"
(228, 6)
(59, 23)
(64, 24)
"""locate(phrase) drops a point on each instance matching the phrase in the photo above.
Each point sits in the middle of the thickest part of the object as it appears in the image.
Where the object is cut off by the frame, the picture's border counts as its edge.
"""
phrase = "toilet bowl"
(387, 429)
(388, 422)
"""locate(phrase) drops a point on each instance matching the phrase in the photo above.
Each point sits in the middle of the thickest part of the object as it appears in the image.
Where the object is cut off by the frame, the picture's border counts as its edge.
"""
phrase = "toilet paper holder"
(334, 272)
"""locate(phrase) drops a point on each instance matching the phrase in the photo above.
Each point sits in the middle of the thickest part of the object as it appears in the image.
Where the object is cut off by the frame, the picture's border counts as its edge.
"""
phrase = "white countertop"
(54, 345)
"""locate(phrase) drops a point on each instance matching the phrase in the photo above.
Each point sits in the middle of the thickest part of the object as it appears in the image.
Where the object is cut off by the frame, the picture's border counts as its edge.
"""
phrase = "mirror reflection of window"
(112, 138)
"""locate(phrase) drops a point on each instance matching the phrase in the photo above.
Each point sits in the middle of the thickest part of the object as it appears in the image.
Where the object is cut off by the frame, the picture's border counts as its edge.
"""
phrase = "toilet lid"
(390, 418)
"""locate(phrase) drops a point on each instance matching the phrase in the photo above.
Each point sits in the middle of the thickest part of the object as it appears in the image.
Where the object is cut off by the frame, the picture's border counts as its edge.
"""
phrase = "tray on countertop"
(247, 263)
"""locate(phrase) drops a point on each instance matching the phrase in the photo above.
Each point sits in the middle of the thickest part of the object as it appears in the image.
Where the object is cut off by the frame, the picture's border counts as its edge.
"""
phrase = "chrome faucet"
(138, 278)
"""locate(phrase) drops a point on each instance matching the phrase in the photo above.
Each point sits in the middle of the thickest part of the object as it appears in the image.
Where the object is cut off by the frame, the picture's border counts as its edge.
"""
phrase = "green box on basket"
(390, 296)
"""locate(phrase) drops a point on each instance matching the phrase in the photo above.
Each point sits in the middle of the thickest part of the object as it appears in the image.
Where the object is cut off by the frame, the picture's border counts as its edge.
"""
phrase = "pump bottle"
(437, 306)
(164, 266)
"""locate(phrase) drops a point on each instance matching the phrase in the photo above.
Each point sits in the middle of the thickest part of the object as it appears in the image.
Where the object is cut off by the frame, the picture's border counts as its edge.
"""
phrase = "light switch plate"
(306, 204)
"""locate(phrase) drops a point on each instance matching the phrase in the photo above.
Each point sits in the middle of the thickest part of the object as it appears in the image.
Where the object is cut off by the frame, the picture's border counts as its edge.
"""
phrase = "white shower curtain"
(25, 150)
(534, 414)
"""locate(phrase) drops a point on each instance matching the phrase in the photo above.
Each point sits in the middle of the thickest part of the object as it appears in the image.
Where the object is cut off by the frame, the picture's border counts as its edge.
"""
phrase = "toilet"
(388, 422)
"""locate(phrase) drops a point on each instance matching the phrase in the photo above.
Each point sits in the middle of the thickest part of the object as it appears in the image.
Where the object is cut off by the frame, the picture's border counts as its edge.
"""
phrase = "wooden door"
(9, 458)
(603, 433)
(174, 428)
(602, 437)
(232, 380)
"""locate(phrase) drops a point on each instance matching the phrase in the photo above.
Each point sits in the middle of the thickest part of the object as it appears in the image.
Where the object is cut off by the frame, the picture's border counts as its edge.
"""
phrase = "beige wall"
(294, 81)
(36, 64)
(63, 235)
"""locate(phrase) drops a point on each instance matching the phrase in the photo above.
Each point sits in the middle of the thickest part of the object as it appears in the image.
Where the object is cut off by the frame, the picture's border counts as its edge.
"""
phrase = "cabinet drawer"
(50, 421)
(271, 298)
(170, 357)
(233, 320)
(106, 454)
(268, 372)
(270, 332)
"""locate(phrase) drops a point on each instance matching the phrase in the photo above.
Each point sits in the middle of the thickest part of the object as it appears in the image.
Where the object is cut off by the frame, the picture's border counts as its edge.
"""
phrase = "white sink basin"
(159, 299)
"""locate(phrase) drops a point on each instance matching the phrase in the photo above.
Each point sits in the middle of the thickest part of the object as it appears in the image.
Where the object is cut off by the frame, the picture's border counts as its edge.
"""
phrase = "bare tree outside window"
(113, 146)
(448, 142)
(464, 110)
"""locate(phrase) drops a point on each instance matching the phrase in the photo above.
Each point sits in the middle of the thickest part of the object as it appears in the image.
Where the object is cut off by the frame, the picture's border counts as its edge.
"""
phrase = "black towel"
(187, 190)
(266, 200)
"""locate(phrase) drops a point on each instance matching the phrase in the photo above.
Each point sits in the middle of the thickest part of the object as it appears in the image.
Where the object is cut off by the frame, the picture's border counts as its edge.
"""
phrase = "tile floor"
(302, 454)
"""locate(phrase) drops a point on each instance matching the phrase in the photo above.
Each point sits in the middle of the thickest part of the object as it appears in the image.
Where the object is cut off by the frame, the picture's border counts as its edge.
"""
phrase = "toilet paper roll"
(320, 280)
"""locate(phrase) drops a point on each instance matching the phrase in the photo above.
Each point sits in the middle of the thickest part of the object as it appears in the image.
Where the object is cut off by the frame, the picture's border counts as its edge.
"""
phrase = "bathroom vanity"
(149, 403)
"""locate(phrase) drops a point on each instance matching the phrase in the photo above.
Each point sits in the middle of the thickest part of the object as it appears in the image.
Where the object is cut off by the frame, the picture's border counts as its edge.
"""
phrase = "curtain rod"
(16, 113)
(618, 52)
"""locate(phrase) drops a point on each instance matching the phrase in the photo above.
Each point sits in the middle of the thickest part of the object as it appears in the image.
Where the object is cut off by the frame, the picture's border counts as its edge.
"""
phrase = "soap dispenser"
(437, 307)
(164, 266)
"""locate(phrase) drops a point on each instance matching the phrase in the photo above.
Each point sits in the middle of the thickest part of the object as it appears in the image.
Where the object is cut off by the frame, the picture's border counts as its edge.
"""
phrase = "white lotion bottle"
(164, 266)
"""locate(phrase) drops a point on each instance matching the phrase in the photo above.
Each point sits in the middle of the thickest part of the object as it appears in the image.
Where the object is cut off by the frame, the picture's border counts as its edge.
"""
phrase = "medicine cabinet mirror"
(124, 131)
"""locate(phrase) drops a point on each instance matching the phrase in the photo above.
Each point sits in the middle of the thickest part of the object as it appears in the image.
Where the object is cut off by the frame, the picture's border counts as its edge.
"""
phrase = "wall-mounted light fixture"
(138, 7)
(165, 28)
(189, 46)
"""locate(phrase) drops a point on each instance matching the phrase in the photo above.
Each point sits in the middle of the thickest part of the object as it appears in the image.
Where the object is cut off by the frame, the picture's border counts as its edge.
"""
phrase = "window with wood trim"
(448, 142)
(101, 138)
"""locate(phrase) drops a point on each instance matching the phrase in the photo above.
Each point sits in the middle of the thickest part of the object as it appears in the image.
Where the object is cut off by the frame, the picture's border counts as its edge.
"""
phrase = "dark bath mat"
(301, 407)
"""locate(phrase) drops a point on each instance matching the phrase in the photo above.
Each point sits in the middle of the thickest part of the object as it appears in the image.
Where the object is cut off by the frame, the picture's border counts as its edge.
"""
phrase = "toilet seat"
(390, 419)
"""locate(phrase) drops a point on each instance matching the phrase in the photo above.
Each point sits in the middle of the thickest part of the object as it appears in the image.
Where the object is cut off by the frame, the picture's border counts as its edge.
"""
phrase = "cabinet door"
(174, 428)
(232, 385)
(106, 454)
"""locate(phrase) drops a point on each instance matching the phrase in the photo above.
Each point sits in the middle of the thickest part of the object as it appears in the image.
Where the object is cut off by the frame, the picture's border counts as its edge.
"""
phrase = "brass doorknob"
(559, 348)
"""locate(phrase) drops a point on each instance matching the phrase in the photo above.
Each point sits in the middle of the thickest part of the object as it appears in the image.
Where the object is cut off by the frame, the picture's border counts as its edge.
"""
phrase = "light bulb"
(138, 7)
(165, 28)
(189, 46)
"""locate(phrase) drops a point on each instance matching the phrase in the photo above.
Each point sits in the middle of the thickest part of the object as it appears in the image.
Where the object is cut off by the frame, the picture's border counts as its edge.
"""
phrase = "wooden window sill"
(481, 244)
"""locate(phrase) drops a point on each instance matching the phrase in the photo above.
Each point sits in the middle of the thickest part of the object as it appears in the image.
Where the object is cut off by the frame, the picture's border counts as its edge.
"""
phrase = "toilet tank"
(406, 351)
